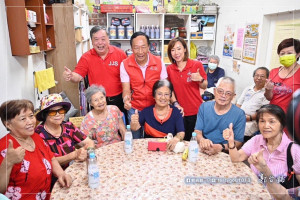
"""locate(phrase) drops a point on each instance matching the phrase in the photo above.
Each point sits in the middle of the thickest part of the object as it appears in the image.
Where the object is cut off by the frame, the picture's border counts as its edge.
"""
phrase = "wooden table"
(161, 175)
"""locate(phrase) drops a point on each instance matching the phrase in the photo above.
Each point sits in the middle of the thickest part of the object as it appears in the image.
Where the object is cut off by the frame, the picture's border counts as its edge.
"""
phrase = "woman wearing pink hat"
(59, 135)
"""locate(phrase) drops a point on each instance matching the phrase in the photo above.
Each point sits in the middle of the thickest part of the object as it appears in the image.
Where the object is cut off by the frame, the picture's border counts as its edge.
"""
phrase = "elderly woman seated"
(271, 144)
(26, 162)
(59, 135)
(104, 121)
(160, 119)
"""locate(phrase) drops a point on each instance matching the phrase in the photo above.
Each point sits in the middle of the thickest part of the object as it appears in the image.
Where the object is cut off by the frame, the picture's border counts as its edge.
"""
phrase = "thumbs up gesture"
(67, 74)
(135, 117)
(269, 85)
(228, 133)
(196, 76)
(13, 155)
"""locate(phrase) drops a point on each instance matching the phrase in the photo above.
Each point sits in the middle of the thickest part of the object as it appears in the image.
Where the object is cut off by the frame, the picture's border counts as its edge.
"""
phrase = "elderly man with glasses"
(216, 116)
(252, 99)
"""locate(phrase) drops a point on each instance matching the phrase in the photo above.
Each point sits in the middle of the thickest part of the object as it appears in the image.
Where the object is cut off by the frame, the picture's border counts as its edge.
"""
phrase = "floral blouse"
(103, 132)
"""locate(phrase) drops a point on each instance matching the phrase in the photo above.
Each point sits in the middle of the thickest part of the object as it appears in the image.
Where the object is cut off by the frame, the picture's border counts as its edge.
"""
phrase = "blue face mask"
(212, 66)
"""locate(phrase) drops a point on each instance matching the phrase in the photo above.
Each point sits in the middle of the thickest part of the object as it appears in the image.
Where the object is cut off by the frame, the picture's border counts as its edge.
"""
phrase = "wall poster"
(250, 43)
(228, 40)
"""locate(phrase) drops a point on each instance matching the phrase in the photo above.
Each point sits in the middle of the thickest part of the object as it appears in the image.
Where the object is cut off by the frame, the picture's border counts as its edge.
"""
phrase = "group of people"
(157, 101)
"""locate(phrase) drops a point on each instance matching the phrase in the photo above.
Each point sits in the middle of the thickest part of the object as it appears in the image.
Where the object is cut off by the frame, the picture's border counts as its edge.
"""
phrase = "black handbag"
(291, 180)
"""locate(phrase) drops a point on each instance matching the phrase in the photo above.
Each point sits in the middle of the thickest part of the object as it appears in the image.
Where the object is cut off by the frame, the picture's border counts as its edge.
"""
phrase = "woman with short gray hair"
(103, 122)
(213, 71)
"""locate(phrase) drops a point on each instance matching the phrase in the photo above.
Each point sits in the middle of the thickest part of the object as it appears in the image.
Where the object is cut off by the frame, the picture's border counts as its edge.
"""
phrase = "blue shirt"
(212, 125)
(212, 78)
(154, 127)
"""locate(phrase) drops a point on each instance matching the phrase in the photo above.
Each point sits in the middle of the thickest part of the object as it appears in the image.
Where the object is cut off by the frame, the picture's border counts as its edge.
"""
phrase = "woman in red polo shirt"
(187, 77)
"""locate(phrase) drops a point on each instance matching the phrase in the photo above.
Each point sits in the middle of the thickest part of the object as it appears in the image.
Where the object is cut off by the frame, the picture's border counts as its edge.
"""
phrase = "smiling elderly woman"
(161, 118)
(272, 143)
(104, 121)
(26, 162)
(59, 135)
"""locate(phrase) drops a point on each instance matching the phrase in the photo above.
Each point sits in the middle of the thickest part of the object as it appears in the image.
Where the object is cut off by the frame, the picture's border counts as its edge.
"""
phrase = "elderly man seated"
(215, 116)
(252, 99)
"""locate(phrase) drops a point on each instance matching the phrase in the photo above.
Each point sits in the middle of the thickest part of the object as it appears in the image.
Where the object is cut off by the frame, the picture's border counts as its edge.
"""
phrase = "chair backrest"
(76, 121)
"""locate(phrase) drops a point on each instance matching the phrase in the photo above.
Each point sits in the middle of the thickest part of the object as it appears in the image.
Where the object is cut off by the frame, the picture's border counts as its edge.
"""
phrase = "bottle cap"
(92, 155)
(128, 126)
(194, 134)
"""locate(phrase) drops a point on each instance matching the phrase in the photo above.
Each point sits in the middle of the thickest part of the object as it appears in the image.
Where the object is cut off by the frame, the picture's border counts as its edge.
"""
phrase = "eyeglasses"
(54, 112)
(259, 76)
(227, 94)
(166, 95)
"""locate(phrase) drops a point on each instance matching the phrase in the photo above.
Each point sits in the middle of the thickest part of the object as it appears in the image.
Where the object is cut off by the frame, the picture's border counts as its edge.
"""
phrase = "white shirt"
(250, 102)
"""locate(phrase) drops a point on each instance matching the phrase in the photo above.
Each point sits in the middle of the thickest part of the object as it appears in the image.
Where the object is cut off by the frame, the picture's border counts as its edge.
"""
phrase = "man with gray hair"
(216, 116)
(102, 66)
(213, 71)
(252, 99)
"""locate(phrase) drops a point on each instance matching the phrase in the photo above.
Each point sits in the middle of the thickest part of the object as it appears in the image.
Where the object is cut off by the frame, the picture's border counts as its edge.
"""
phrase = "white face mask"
(212, 66)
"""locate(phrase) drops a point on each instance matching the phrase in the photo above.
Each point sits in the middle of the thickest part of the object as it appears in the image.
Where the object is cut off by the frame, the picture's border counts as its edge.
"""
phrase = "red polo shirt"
(187, 91)
(103, 72)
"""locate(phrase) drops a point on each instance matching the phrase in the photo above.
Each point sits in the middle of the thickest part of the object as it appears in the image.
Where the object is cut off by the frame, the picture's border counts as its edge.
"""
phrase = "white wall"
(240, 12)
(16, 75)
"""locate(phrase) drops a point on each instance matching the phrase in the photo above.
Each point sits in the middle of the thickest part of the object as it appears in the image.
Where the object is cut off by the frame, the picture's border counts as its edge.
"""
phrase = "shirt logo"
(153, 68)
(113, 63)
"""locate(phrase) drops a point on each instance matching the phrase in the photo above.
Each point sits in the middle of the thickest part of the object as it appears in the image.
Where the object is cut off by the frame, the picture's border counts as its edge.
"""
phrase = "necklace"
(19, 139)
(56, 134)
(286, 75)
(164, 115)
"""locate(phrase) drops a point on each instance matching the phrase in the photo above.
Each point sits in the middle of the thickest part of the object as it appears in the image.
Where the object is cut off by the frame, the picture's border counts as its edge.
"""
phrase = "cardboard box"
(34, 49)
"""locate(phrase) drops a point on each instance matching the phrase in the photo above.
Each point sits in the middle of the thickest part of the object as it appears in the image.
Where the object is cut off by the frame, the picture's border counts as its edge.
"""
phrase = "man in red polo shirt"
(139, 72)
(102, 66)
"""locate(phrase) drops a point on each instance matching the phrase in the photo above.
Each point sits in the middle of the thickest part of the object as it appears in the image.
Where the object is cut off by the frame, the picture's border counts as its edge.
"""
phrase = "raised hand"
(67, 74)
(228, 133)
(13, 155)
(269, 85)
(135, 117)
(196, 76)
(127, 104)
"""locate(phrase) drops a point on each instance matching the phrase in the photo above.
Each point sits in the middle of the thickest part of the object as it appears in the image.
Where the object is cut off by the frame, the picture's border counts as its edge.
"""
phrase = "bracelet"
(232, 147)
(250, 117)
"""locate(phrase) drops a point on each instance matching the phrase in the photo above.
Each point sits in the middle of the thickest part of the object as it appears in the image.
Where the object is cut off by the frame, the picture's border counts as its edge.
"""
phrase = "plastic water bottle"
(147, 30)
(93, 171)
(128, 140)
(193, 149)
(157, 36)
(152, 32)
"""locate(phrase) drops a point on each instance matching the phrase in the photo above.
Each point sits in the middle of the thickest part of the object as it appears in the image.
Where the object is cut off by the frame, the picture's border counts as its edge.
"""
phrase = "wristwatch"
(223, 147)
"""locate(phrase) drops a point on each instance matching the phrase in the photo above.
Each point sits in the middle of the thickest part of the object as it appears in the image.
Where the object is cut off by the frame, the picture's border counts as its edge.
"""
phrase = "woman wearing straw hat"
(59, 135)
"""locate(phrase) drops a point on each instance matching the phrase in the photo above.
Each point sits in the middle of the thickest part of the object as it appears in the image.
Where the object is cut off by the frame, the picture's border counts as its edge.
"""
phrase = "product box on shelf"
(111, 8)
(208, 35)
